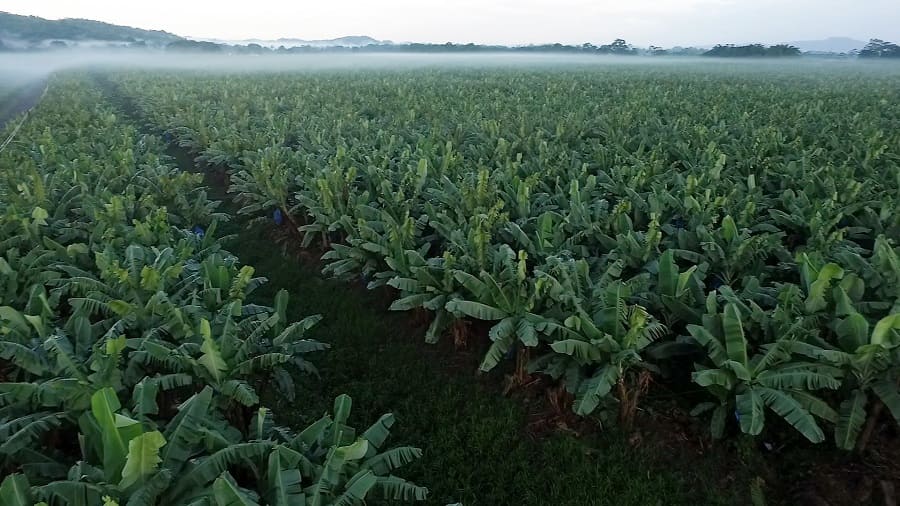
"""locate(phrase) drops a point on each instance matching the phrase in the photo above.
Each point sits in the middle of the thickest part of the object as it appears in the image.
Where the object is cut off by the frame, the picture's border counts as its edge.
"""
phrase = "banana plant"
(21, 272)
(266, 182)
(145, 290)
(350, 467)
(732, 253)
(377, 247)
(21, 344)
(230, 349)
(505, 295)
(878, 273)
(326, 463)
(119, 456)
(224, 282)
(679, 295)
(747, 383)
(59, 373)
(586, 213)
(430, 285)
(123, 461)
(15, 490)
(871, 364)
(111, 313)
(816, 218)
(60, 383)
(329, 198)
(545, 237)
(636, 247)
(600, 348)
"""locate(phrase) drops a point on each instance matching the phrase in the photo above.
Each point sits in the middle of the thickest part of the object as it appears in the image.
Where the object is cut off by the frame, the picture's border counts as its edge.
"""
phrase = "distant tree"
(195, 46)
(58, 44)
(752, 51)
(877, 48)
(732, 51)
(783, 50)
(618, 46)
(686, 51)
(657, 51)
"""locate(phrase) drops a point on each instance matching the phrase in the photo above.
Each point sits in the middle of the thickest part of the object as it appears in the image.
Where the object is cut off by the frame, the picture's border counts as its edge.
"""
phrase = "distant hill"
(349, 41)
(829, 45)
(31, 32)
(24, 32)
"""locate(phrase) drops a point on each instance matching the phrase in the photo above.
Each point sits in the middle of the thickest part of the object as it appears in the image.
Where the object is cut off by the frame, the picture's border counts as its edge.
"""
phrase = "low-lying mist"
(17, 68)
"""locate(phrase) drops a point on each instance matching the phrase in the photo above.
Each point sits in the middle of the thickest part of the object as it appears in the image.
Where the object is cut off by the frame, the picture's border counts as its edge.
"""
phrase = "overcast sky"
(641, 22)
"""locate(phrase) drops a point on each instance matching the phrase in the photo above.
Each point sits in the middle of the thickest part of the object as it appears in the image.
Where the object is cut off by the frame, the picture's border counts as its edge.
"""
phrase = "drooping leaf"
(594, 389)
(398, 489)
(582, 350)
(212, 358)
(885, 328)
(379, 431)
(475, 310)
(853, 332)
(117, 431)
(714, 347)
(751, 412)
(143, 458)
(793, 412)
(735, 341)
(357, 488)
(887, 391)
(851, 417)
(384, 463)
(15, 491)
(227, 492)
(815, 299)
(184, 431)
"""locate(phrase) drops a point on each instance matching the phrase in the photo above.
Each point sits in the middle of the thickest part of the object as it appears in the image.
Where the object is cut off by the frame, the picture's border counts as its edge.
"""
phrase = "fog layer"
(20, 68)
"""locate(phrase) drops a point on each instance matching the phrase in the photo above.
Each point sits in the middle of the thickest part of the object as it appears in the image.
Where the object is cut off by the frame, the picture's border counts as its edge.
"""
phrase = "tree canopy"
(752, 50)
(877, 48)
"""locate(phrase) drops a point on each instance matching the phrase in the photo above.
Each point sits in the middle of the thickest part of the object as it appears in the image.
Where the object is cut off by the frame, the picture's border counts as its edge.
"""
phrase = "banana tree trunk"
(870, 426)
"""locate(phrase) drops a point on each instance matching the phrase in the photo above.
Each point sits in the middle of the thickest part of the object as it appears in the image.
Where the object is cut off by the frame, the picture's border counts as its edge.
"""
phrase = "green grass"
(476, 448)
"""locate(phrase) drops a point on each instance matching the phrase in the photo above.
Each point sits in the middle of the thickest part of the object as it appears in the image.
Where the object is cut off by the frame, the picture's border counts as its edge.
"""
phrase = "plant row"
(130, 348)
(733, 230)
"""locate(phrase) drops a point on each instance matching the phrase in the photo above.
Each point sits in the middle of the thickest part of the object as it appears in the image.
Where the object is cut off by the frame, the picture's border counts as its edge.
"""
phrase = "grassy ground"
(476, 448)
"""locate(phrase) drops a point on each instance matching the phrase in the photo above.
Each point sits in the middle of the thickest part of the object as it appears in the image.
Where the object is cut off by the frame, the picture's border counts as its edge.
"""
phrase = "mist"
(23, 67)
(20, 68)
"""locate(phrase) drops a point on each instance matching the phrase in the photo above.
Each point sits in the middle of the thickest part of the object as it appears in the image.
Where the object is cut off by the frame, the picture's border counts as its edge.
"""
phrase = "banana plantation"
(612, 244)
(130, 346)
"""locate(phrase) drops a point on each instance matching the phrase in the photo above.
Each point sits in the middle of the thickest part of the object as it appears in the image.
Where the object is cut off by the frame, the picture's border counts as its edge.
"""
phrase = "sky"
(640, 22)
